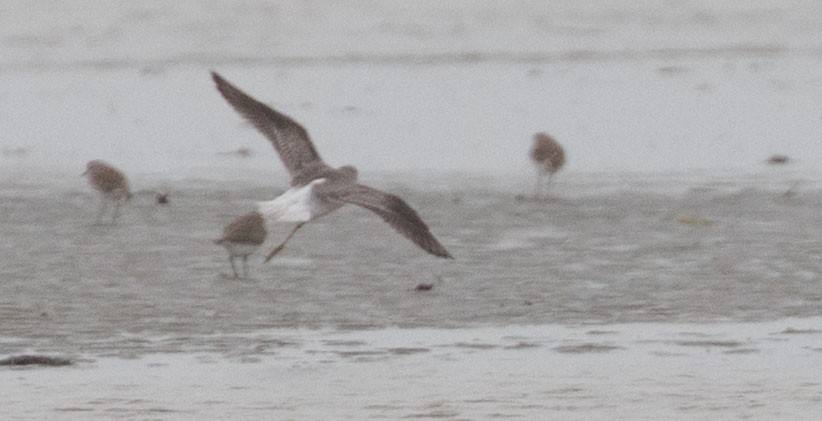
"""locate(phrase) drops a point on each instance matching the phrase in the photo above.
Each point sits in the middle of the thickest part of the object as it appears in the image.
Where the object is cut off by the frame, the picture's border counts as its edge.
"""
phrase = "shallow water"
(609, 248)
(642, 371)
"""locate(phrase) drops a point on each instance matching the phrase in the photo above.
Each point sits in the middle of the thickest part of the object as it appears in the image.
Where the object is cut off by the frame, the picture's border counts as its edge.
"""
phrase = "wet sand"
(642, 371)
(606, 254)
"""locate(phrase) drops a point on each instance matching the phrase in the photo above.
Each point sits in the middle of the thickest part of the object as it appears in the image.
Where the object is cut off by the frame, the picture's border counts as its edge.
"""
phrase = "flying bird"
(316, 188)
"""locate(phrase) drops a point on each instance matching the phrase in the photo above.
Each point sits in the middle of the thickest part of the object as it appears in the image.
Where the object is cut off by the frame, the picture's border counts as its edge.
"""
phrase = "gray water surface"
(606, 248)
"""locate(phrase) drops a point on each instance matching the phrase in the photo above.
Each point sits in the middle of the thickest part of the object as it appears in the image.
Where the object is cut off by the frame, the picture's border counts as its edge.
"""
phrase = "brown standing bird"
(242, 238)
(112, 185)
(549, 158)
(316, 188)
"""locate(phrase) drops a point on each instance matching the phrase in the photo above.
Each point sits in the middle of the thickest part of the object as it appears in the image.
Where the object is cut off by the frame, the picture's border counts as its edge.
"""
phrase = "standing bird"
(242, 238)
(317, 189)
(111, 183)
(549, 158)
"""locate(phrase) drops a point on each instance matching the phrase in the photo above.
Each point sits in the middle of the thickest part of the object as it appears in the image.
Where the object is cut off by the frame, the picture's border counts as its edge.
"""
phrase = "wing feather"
(289, 138)
(396, 213)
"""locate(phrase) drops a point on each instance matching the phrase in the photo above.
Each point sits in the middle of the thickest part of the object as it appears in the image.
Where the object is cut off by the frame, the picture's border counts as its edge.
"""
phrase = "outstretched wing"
(396, 213)
(289, 138)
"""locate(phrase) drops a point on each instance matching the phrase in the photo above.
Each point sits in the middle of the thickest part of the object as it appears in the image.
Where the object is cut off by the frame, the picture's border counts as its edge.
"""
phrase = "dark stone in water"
(794, 331)
(586, 348)
(34, 360)
(778, 159)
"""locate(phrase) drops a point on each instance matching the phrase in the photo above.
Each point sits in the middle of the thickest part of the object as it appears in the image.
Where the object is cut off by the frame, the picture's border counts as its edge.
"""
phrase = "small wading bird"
(242, 238)
(112, 185)
(549, 158)
(317, 189)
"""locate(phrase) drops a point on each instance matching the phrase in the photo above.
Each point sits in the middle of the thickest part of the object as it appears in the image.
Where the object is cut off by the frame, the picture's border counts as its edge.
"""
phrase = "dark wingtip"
(219, 80)
(439, 251)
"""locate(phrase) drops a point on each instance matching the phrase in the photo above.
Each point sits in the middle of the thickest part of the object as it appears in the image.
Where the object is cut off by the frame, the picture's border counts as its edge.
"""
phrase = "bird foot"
(274, 252)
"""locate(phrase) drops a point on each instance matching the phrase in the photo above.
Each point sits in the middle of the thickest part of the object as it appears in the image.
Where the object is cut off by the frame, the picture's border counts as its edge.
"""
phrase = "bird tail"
(292, 206)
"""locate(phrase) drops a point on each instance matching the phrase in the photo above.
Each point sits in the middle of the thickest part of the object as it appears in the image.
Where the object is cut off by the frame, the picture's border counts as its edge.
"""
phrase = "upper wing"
(288, 137)
(397, 213)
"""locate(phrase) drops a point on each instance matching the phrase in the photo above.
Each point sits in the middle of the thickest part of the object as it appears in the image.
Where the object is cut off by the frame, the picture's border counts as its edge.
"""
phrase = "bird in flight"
(316, 188)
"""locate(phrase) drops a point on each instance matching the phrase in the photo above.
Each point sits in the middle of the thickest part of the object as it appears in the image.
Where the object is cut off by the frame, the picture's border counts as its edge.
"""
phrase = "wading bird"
(548, 157)
(242, 238)
(112, 185)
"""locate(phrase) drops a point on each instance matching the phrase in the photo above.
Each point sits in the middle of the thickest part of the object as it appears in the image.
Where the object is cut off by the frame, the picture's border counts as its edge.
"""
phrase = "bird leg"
(549, 184)
(103, 205)
(282, 245)
(245, 266)
(538, 188)
(116, 211)
(233, 268)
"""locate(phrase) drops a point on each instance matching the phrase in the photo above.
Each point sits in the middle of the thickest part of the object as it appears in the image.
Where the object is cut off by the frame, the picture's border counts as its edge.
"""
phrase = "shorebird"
(111, 183)
(316, 188)
(549, 158)
(161, 198)
(242, 238)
